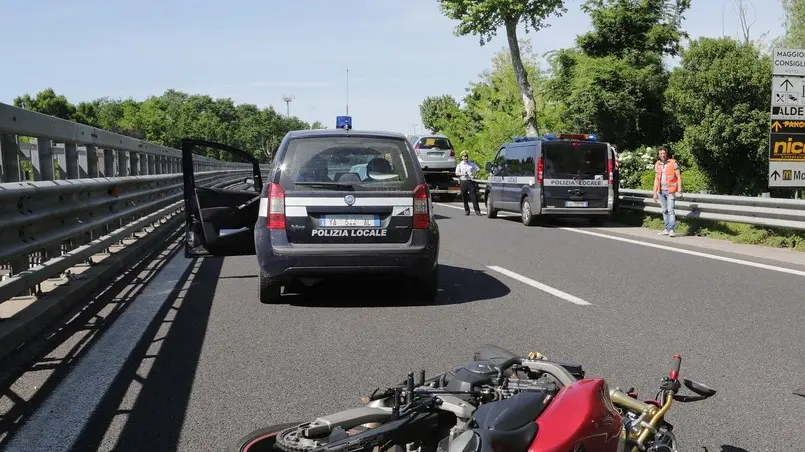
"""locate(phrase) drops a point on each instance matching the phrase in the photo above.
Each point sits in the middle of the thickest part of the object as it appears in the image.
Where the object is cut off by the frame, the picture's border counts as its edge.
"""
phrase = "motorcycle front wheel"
(260, 440)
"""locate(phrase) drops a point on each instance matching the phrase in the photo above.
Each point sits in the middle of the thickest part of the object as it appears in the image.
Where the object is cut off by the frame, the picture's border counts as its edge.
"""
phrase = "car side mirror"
(249, 181)
(489, 167)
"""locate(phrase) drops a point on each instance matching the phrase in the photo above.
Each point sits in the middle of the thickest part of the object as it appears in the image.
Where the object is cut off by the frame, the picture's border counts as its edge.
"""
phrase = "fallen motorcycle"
(498, 402)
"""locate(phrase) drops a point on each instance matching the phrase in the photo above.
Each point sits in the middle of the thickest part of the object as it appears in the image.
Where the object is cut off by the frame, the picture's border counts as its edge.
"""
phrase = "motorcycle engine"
(472, 376)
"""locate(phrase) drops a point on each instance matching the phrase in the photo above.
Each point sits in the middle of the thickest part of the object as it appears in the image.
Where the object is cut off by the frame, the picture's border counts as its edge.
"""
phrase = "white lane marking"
(692, 253)
(538, 285)
(59, 421)
(676, 250)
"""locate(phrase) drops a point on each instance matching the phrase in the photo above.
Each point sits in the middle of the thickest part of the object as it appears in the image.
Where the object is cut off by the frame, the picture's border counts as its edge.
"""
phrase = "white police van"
(560, 175)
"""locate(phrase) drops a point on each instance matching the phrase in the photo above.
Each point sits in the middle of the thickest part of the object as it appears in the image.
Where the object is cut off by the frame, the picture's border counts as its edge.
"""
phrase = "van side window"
(513, 161)
(500, 160)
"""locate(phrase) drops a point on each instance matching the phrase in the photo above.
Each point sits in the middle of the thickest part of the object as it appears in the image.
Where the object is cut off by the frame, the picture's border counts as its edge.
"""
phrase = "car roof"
(315, 133)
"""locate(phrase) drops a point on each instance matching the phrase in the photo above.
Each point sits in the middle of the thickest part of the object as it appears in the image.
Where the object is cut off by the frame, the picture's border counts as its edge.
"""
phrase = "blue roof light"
(343, 122)
(550, 136)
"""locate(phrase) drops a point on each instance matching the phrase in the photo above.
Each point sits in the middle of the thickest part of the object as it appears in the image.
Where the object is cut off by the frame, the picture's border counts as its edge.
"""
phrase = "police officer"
(466, 170)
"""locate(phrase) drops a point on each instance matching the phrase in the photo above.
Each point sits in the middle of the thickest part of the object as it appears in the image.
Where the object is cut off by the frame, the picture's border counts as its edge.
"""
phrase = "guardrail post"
(134, 160)
(152, 167)
(92, 161)
(108, 163)
(122, 164)
(44, 151)
(60, 164)
(144, 165)
(71, 156)
(10, 158)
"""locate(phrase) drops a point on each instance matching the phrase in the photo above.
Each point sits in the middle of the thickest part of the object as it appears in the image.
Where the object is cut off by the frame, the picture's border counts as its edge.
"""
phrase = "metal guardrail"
(768, 212)
(102, 188)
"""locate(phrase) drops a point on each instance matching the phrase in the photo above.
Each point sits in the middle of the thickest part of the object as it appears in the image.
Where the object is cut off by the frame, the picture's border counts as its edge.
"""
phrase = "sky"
(397, 52)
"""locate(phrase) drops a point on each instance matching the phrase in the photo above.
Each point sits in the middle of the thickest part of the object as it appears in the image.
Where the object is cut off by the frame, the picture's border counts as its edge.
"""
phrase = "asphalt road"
(216, 363)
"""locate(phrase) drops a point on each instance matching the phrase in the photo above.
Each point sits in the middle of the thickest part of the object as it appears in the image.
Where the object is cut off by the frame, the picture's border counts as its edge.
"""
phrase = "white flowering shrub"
(634, 164)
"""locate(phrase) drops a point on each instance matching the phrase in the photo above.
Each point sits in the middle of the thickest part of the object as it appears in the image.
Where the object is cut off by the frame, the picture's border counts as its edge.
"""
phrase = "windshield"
(434, 143)
(574, 159)
(351, 163)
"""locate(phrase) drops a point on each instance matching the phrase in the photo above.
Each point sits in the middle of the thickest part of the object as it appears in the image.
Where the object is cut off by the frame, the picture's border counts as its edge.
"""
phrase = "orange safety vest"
(671, 180)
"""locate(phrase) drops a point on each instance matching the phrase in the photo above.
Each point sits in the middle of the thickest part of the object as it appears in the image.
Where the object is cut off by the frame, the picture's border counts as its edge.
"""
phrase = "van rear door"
(575, 174)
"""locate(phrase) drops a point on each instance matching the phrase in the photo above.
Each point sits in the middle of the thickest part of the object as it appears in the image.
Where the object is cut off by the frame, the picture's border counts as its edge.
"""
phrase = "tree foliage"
(720, 94)
(613, 81)
(484, 17)
(713, 109)
(794, 36)
(174, 115)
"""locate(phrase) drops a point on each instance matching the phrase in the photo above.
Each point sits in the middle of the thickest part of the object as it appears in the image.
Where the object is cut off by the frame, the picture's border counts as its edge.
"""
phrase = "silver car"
(434, 152)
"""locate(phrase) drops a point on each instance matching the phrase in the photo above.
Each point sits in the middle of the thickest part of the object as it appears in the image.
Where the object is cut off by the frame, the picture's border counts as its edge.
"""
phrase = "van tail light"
(609, 170)
(540, 168)
(421, 200)
(452, 153)
(276, 207)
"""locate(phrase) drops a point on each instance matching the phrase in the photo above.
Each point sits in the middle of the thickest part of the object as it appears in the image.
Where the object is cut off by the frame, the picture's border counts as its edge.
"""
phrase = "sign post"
(787, 128)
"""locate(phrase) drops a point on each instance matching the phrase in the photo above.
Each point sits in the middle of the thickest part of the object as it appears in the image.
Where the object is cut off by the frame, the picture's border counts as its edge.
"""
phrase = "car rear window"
(434, 142)
(347, 163)
(574, 158)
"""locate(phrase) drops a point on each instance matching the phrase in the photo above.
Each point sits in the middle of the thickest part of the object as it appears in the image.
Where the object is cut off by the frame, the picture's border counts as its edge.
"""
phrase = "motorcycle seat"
(509, 424)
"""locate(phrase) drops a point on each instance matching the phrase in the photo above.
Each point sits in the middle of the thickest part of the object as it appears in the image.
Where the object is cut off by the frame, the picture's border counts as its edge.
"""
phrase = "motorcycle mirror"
(699, 388)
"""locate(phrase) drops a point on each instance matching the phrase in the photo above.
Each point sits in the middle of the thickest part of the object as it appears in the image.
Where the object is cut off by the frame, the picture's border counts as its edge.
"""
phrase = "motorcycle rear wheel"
(260, 440)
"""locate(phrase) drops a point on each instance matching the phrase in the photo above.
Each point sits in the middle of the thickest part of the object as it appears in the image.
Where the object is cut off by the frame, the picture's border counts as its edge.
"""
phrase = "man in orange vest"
(667, 187)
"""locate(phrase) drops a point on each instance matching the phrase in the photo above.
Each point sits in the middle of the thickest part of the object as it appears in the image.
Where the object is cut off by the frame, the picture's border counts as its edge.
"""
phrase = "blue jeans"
(667, 202)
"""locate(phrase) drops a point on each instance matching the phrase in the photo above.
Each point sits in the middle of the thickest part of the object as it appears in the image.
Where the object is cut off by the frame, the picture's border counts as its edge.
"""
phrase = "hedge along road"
(216, 363)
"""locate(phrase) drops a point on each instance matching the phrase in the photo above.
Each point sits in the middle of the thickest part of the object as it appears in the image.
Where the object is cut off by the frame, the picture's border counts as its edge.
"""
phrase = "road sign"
(787, 127)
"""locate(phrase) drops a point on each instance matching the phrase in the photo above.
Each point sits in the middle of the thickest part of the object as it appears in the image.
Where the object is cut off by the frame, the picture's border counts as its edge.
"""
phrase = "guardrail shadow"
(30, 374)
(457, 285)
(157, 380)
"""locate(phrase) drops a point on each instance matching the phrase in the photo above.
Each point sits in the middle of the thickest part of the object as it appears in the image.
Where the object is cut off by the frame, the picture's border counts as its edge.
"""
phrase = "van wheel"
(490, 210)
(269, 293)
(525, 212)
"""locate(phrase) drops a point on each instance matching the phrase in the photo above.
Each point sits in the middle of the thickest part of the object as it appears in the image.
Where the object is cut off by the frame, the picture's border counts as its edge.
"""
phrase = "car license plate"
(360, 221)
(575, 203)
(435, 154)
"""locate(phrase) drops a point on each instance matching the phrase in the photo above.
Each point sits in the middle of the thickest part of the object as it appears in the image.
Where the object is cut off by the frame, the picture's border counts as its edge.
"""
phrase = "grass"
(733, 232)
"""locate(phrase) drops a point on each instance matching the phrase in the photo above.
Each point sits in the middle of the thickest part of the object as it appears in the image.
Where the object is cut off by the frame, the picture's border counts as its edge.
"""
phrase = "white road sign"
(787, 126)
(788, 62)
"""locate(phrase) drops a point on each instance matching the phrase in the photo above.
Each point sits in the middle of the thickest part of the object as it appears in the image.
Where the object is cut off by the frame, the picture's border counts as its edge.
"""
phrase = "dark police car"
(337, 202)
(563, 175)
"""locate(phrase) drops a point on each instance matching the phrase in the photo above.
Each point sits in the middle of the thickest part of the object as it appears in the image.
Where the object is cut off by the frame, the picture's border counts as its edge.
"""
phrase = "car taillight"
(276, 207)
(452, 153)
(421, 215)
(609, 170)
(540, 168)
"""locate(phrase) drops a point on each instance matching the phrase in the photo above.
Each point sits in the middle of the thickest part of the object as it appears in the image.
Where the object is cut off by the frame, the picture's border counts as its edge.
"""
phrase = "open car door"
(221, 205)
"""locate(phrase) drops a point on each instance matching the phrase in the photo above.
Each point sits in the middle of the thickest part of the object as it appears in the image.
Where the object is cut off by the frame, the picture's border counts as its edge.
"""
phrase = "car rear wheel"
(268, 292)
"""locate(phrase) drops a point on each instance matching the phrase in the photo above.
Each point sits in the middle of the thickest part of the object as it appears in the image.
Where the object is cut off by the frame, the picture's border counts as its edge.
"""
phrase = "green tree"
(443, 114)
(613, 82)
(794, 25)
(47, 102)
(485, 17)
(721, 93)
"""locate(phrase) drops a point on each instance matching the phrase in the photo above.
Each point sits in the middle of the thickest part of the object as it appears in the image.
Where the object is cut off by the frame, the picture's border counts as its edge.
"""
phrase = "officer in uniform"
(466, 171)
